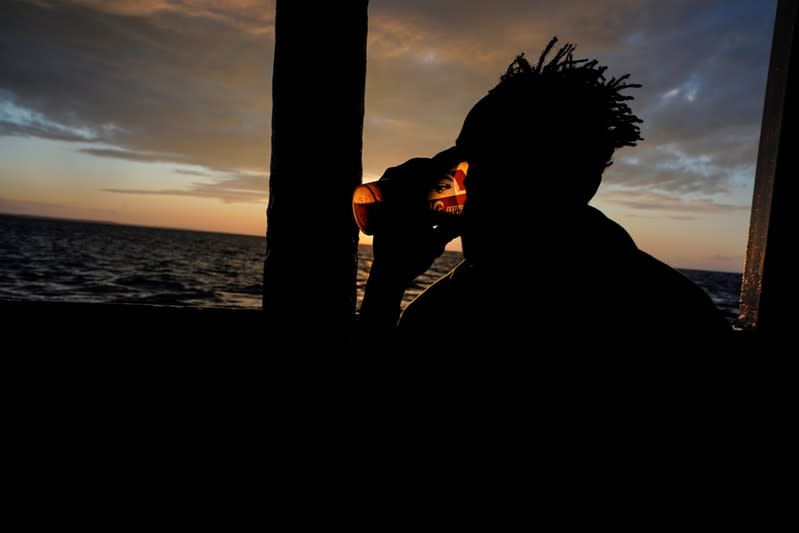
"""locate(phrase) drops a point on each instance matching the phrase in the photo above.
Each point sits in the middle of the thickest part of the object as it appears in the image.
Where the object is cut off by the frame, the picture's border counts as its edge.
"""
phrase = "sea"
(45, 259)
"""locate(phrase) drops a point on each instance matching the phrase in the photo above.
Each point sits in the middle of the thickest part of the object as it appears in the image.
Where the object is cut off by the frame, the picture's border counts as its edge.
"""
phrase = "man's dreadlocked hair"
(561, 115)
(600, 104)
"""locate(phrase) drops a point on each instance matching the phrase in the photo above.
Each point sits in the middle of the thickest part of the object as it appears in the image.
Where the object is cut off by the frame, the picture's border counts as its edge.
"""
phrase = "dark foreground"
(117, 330)
(129, 414)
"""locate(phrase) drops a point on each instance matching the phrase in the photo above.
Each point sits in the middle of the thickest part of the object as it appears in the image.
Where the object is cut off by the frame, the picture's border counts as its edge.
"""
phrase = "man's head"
(561, 116)
(550, 129)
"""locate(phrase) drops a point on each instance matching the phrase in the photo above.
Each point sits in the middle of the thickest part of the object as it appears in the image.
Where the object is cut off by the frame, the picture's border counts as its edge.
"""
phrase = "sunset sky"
(157, 112)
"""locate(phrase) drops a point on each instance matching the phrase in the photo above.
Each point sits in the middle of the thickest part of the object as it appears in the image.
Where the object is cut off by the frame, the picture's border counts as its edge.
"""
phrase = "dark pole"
(318, 88)
(769, 287)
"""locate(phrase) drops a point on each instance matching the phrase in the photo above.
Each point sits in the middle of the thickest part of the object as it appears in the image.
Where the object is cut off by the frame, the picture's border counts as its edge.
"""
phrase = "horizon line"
(112, 223)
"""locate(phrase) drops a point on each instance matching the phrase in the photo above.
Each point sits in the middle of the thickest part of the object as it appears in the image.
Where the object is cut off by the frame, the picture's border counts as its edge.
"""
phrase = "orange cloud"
(254, 16)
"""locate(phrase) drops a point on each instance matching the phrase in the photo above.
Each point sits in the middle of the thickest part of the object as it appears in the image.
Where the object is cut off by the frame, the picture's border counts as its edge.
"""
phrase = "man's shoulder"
(687, 305)
(438, 300)
(667, 277)
(649, 291)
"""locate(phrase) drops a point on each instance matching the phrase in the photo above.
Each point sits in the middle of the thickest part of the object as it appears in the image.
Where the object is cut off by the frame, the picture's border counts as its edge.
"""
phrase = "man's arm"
(405, 245)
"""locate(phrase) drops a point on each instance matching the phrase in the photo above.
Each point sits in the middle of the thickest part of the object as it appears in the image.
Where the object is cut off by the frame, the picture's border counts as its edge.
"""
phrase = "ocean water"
(66, 260)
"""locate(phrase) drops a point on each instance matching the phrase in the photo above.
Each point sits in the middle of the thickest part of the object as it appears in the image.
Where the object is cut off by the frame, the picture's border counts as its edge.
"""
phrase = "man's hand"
(408, 242)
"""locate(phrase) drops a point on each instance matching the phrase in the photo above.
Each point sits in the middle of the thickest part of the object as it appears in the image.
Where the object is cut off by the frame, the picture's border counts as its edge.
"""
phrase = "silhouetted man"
(540, 264)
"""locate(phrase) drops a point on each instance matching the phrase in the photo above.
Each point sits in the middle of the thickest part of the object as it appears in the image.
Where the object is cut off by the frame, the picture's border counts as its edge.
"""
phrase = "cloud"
(190, 81)
(41, 131)
(133, 156)
(191, 172)
(26, 207)
(660, 201)
(682, 169)
(173, 79)
(256, 16)
(233, 188)
(22, 122)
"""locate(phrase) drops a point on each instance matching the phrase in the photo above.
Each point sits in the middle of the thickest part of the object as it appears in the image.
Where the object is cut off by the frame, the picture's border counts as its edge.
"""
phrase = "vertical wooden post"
(770, 278)
(318, 86)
